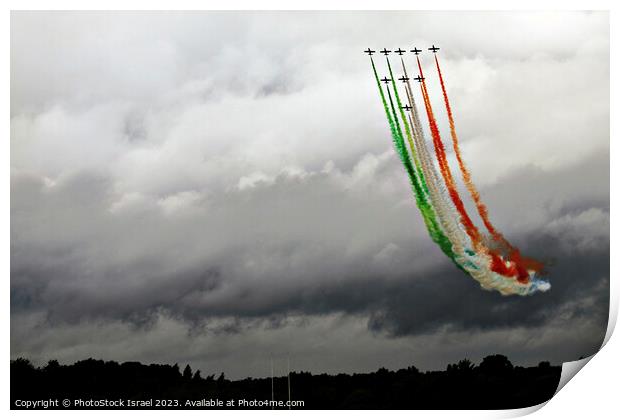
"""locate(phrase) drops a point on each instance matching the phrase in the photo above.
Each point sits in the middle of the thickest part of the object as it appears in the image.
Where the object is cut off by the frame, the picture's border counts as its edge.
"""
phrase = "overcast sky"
(221, 188)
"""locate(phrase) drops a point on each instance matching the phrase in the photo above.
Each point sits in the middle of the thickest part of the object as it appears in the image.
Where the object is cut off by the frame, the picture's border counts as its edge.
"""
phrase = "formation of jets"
(403, 79)
(400, 51)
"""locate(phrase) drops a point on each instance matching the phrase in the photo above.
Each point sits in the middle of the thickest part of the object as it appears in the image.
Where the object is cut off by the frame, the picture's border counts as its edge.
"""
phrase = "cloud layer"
(182, 181)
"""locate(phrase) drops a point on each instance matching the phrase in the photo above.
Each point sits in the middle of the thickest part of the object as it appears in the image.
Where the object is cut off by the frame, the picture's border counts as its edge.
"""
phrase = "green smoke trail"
(415, 179)
(395, 137)
(423, 204)
(416, 160)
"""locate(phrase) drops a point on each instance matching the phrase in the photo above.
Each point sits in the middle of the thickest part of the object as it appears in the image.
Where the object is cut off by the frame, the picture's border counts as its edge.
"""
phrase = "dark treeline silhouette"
(494, 384)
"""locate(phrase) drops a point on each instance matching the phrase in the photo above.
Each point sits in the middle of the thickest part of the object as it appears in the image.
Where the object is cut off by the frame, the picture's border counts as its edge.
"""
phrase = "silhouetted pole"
(272, 407)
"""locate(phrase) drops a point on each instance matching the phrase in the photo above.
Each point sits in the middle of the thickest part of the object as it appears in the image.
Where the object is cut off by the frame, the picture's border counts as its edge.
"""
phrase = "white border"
(594, 393)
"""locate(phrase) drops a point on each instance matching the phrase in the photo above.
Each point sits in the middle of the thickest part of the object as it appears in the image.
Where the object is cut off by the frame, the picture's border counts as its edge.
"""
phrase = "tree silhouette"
(52, 365)
(496, 364)
(495, 383)
(464, 366)
(221, 379)
(187, 372)
(544, 365)
(22, 364)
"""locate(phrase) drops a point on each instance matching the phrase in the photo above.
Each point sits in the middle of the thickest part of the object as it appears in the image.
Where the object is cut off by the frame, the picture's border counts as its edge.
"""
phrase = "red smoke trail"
(498, 264)
(514, 254)
(440, 152)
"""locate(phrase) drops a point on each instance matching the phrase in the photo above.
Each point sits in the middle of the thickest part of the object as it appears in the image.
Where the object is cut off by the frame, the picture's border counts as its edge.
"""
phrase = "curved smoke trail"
(424, 206)
(522, 264)
(436, 192)
(497, 263)
(440, 204)
(444, 168)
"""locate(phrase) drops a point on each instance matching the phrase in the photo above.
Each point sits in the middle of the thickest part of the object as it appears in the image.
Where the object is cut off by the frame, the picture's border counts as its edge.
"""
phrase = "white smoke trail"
(476, 264)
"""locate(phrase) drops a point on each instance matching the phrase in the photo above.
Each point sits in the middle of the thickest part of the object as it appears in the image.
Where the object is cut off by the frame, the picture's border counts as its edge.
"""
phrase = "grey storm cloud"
(251, 274)
(202, 178)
